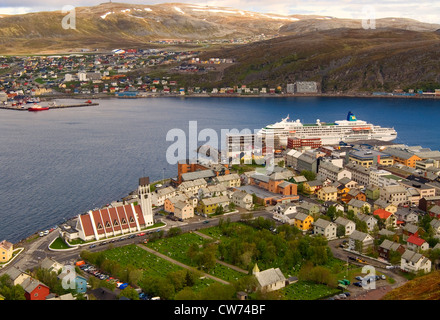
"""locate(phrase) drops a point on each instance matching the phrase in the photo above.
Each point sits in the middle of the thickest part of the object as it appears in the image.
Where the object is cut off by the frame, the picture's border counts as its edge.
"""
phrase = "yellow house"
(310, 187)
(328, 194)
(209, 205)
(6, 249)
(303, 222)
(382, 204)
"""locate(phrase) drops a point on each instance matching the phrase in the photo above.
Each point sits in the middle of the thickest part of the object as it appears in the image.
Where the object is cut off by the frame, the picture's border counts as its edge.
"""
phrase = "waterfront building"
(6, 249)
(403, 156)
(369, 157)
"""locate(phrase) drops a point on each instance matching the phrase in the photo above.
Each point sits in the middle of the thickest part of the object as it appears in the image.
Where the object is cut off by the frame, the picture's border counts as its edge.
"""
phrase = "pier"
(61, 106)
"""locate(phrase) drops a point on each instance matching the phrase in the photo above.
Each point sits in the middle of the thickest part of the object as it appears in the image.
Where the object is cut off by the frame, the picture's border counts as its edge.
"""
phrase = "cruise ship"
(348, 130)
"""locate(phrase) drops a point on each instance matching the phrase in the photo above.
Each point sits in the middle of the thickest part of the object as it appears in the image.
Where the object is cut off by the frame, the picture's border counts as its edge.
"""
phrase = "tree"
(309, 175)
(340, 231)
(186, 294)
(331, 212)
(129, 293)
(174, 231)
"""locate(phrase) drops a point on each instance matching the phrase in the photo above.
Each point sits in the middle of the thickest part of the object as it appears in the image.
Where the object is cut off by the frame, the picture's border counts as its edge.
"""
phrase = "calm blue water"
(59, 163)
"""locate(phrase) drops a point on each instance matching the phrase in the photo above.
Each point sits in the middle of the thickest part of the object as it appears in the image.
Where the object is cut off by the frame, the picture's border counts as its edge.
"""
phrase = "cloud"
(423, 10)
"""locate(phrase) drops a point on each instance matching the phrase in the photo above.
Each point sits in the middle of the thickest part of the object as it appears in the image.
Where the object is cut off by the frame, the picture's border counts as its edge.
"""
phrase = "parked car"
(383, 277)
(359, 278)
(358, 284)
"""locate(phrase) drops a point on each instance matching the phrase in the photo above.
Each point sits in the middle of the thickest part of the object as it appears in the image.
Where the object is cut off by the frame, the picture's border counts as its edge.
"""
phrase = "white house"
(325, 228)
(360, 241)
(284, 212)
(414, 262)
(349, 225)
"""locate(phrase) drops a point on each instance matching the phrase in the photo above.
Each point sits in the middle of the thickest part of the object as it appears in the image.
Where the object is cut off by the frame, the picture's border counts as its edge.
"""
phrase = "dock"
(61, 106)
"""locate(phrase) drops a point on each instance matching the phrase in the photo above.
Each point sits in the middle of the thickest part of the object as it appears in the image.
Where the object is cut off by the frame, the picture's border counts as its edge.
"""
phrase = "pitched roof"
(415, 240)
(358, 235)
(269, 276)
(322, 223)
(381, 213)
(6, 245)
(390, 245)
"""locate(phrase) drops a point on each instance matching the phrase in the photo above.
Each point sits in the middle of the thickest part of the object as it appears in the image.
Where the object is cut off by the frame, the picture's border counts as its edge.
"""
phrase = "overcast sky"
(422, 10)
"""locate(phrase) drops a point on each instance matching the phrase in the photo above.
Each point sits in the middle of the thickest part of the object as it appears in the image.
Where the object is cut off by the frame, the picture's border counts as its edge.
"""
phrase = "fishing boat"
(37, 107)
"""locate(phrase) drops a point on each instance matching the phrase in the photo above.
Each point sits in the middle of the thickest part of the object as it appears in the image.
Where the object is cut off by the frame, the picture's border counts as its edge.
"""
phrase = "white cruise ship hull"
(349, 130)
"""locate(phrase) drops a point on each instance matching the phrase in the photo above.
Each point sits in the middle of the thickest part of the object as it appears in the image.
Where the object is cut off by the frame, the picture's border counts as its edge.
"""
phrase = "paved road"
(382, 287)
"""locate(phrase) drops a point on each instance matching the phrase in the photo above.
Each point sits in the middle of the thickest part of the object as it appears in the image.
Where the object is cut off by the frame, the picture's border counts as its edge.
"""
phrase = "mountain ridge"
(111, 25)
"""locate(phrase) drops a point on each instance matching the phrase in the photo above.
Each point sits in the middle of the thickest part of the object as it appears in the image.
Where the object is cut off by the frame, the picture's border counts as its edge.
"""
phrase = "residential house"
(6, 250)
(387, 246)
(435, 223)
(183, 210)
(17, 276)
(311, 187)
(284, 213)
(360, 241)
(212, 191)
(349, 226)
(34, 289)
(242, 199)
(292, 158)
(354, 194)
(193, 186)
(328, 194)
(410, 230)
(372, 192)
(414, 262)
(160, 195)
(51, 264)
(302, 221)
(416, 244)
(79, 283)
(369, 220)
(382, 204)
(270, 279)
(309, 208)
(407, 216)
(210, 205)
(434, 211)
(325, 228)
(358, 206)
(389, 218)
(229, 180)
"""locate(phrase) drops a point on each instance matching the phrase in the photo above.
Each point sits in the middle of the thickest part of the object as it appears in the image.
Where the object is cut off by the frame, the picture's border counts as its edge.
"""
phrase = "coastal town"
(137, 73)
(243, 231)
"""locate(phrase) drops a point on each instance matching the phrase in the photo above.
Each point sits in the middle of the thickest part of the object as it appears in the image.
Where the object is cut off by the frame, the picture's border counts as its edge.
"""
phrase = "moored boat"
(37, 107)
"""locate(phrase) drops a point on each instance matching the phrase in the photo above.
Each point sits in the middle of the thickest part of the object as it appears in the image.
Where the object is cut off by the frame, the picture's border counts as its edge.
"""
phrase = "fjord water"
(57, 164)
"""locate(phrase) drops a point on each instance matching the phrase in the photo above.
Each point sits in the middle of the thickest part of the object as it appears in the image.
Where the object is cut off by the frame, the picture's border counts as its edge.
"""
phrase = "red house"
(34, 289)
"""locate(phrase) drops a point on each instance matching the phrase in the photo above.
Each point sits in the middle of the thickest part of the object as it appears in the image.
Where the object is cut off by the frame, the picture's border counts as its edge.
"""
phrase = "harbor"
(50, 106)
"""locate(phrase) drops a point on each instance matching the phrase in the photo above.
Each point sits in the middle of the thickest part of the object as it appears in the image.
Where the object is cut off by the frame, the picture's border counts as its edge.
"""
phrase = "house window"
(115, 223)
(123, 221)
(99, 226)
